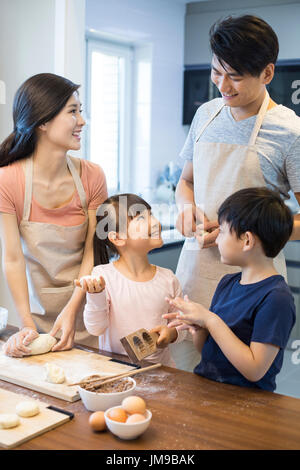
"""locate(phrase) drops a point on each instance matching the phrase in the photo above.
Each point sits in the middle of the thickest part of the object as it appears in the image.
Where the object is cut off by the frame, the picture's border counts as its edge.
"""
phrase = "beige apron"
(220, 169)
(53, 255)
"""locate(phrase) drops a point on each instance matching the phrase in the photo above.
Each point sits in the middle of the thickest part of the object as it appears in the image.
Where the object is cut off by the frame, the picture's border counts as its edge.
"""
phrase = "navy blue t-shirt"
(263, 312)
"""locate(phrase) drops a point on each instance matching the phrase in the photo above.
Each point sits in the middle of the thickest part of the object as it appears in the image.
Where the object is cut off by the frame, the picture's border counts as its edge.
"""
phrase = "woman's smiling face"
(64, 130)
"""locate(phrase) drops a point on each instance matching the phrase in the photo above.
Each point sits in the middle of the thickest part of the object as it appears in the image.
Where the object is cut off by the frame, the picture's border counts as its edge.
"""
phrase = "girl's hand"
(15, 346)
(91, 284)
(192, 313)
(166, 335)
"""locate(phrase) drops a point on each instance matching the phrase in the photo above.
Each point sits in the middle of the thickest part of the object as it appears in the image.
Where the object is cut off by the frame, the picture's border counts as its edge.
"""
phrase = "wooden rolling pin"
(99, 382)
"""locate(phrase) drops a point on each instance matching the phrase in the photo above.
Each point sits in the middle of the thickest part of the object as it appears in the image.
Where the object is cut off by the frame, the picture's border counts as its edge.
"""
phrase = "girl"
(48, 204)
(129, 293)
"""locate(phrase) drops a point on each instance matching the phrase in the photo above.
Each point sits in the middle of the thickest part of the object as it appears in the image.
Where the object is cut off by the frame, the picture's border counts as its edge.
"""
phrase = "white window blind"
(109, 70)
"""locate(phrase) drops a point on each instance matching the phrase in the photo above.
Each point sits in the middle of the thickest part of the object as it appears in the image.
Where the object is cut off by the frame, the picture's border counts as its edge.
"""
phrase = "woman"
(48, 203)
(243, 139)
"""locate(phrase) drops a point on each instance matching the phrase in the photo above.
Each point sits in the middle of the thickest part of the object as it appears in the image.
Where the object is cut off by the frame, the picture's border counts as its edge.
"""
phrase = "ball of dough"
(87, 277)
(42, 344)
(9, 421)
(54, 373)
(26, 409)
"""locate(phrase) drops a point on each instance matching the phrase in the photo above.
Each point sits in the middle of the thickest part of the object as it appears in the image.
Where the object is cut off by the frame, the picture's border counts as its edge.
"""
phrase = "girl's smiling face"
(145, 230)
(64, 130)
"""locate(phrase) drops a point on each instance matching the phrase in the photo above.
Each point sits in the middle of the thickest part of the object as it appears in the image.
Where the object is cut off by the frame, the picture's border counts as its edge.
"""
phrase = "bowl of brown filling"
(105, 396)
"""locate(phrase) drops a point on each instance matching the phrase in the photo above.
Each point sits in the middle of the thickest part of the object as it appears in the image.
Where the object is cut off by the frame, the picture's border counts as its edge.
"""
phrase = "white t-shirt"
(125, 306)
(278, 141)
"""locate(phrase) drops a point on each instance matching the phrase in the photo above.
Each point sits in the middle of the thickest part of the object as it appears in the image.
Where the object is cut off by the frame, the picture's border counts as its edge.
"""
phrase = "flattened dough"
(26, 409)
(9, 421)
(54, 373)
(42, 344)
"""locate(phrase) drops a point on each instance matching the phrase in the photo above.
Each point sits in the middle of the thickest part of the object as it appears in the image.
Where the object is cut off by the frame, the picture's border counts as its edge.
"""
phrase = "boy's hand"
(166, 335)
(176, 323)
(90, 284)
(192, 313)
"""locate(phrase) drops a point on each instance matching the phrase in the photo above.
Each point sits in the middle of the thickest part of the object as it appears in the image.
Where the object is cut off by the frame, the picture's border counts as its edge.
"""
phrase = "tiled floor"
(288, 380)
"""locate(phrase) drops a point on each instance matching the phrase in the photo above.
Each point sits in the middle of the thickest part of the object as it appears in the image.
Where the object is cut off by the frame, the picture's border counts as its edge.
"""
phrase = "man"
(243, 139)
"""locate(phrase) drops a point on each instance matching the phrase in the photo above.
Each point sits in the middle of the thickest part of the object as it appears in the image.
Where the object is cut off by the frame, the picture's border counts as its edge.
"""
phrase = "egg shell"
(134, 405)
(97, 421)
(135, 418)
(118, 414)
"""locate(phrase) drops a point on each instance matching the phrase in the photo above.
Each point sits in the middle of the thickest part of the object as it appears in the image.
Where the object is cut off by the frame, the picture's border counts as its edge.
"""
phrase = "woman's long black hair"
(38, 100)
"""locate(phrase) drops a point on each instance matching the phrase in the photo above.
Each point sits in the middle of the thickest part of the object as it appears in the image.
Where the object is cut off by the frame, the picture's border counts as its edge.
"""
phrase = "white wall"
(284, 19)
(157, 25)
(26, 38)
(37, 36)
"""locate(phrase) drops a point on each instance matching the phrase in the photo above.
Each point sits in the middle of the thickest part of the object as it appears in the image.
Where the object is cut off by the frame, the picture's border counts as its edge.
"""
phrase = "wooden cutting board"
(29, 427)
(30, 371)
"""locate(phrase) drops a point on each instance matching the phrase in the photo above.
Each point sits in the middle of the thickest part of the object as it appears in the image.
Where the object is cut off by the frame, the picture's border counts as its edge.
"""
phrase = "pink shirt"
(125, 306)
(12, 191)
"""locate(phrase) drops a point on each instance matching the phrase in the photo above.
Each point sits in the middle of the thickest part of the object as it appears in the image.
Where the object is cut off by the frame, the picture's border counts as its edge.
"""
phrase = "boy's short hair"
(246, 43)
(261, 212)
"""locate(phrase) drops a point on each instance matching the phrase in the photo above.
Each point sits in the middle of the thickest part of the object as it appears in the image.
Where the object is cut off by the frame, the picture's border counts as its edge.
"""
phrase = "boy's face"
(237, 90)
(230, 247)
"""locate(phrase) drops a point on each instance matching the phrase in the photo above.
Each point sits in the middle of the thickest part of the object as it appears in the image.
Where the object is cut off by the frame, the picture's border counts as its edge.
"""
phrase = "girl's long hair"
(38, 100)
(114, 215)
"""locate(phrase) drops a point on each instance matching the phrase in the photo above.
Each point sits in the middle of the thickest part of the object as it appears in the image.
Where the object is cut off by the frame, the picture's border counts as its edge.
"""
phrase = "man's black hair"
(261, 212)
(246, 43)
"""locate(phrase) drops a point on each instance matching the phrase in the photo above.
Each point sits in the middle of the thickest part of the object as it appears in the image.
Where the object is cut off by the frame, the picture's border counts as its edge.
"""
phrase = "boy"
(243, 335)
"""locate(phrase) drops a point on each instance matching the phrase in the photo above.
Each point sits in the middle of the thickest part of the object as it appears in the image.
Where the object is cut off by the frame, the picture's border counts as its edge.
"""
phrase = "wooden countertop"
(189, 413)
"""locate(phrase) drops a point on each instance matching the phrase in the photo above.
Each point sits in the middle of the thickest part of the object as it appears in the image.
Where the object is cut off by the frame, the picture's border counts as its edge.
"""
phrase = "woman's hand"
(15, 346)
(90, 284)
(165, 335)
(65, 322)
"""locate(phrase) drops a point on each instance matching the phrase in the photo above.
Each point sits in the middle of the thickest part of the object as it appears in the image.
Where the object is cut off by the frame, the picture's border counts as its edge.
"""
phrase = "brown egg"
(97, 421)
(118, 414)
(135, 418)
(134, 405)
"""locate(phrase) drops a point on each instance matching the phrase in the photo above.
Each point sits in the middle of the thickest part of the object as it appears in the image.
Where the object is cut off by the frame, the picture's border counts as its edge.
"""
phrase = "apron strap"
(78, 184)
(29, 181)
(259, 119)
(215, 114)
(28, 188)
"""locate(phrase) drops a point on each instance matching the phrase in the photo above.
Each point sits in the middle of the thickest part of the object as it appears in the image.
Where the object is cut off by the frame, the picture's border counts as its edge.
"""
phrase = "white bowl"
(101, 401)
(3, 318)
(127, 430)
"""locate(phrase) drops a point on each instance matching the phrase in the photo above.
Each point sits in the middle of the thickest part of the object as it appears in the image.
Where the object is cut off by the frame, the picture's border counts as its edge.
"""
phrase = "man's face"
(237, 90)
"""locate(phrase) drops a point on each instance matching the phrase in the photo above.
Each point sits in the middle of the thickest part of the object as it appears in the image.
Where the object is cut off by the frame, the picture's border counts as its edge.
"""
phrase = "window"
(109, 110)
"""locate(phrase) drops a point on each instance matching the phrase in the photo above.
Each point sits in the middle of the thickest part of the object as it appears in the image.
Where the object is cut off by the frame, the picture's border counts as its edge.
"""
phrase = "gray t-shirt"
(278, 141)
